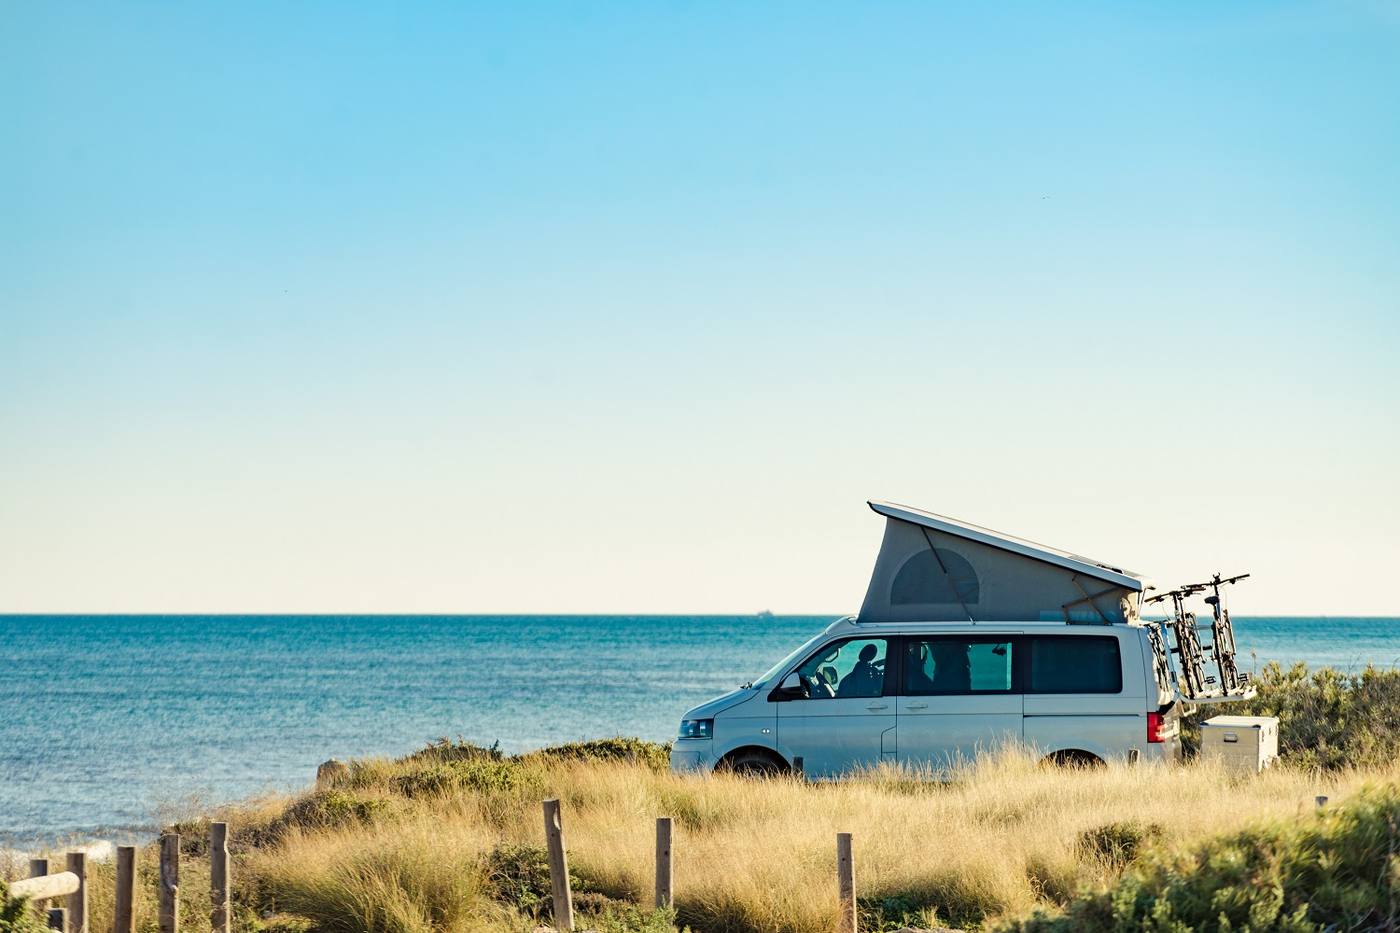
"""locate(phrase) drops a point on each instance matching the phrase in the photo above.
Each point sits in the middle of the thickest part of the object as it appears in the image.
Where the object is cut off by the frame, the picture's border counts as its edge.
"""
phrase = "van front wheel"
(753, 762)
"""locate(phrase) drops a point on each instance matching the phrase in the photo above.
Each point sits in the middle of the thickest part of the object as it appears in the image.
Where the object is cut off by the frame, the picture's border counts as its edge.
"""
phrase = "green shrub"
(445, 749)
(340, 808)
(1327, 719)
(932, 900)
(1337, 870)
(894, 912)
(486, 776)
(445, 767)
(194, 836)
(622, 917)
(654, 755)
(17, 914)
(945, 896)
(518, 875)
(1117, 844)
(333, 808)
(367, 773)
(426, 782)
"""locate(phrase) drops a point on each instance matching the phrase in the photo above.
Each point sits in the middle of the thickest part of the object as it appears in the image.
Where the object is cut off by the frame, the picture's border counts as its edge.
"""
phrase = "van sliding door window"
(1074, 664)
(951, 665)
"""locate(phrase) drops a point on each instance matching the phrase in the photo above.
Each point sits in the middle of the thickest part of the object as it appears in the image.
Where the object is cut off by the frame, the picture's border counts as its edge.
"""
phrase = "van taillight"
(1154, 727)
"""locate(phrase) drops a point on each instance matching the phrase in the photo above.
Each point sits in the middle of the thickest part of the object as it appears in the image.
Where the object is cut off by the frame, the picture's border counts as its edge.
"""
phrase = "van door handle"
(878, 706)
(916, 706)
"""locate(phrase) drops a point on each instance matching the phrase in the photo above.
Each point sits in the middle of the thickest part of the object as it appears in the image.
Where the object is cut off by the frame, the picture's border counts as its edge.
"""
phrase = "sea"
(110, 725)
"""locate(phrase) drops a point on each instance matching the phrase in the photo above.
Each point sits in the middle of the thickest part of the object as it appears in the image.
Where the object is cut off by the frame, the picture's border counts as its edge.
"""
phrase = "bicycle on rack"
(1228, 682)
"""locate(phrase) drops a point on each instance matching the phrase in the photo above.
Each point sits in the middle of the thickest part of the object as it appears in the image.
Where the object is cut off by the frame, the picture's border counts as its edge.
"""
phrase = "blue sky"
(622, 307)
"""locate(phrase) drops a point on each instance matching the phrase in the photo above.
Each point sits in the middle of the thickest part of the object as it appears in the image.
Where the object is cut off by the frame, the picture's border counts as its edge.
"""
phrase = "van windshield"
(791, 658)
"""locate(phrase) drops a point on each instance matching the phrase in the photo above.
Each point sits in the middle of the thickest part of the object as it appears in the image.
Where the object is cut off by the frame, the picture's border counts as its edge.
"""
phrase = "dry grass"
(1004, 838)
(418, 873)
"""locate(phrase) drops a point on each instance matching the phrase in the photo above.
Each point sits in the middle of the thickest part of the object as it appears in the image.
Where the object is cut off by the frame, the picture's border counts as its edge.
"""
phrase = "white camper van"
(967, 639)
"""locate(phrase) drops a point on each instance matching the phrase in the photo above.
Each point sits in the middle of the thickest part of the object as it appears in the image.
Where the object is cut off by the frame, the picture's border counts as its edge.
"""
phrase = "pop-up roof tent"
(934, 568)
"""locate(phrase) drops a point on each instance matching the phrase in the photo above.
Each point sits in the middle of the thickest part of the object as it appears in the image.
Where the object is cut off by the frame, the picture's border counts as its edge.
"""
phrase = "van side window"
(854, 668)
(1074, 664)
(957, 664)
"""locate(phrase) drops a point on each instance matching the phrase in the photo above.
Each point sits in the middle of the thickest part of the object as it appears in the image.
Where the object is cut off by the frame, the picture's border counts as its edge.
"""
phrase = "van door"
(956, 698)
(1085, 690)
(844, 719)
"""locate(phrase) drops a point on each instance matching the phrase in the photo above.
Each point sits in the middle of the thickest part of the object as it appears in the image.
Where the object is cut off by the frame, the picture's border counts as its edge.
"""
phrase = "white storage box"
(1242, 743)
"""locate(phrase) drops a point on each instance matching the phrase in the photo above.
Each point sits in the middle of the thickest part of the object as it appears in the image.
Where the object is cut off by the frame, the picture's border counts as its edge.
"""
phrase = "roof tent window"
(934, 576)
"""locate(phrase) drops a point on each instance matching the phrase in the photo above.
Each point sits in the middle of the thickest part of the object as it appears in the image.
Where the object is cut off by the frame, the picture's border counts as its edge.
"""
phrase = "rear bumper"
(1168, 751)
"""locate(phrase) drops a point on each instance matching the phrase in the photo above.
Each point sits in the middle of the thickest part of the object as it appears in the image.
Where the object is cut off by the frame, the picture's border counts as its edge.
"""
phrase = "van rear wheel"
(753, 763)
(1075, 759)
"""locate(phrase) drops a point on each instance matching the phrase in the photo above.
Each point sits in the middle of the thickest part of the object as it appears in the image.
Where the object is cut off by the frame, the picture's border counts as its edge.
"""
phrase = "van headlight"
(697, 728)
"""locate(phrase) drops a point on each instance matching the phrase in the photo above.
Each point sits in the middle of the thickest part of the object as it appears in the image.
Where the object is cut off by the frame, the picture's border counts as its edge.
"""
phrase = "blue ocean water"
(106, 721)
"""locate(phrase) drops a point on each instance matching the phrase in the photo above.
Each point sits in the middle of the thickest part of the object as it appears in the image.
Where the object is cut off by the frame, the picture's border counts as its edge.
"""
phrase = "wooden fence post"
(124, 916)
(169, 883)
(664, 896)
(558, 868)
(57, 918)
(845, 884)
(78, 900)
(218, 878)
(38, 868)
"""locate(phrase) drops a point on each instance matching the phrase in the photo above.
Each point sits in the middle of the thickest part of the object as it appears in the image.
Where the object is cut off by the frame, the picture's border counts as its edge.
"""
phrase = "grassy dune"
(1009, 837)
(450, 839)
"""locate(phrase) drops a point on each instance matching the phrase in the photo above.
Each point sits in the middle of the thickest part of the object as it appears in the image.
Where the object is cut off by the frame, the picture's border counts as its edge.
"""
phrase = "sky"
(616, 307)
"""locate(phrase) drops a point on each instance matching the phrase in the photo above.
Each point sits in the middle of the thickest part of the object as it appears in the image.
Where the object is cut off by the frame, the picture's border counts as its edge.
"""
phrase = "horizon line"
(584, 615)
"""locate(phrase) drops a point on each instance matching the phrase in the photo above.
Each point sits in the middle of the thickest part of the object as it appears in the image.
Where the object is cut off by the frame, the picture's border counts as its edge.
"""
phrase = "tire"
(1075, 759)
(753, 763)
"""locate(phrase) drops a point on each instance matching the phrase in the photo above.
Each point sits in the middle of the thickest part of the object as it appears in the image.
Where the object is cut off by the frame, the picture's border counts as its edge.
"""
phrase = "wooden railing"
(41, 886)
(71, 884)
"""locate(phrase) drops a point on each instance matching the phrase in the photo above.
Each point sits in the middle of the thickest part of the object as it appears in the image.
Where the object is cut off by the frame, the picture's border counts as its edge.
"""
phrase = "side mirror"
(790, 689)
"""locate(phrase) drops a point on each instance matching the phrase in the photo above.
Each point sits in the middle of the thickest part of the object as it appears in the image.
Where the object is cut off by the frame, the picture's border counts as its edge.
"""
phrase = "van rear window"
(1074, 664)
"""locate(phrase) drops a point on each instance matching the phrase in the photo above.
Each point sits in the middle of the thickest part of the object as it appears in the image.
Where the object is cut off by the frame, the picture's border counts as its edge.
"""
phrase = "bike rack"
(1228, 682)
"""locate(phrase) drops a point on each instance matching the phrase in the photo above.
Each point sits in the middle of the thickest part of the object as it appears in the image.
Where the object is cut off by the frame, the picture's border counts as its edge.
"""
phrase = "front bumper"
(689, 756)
